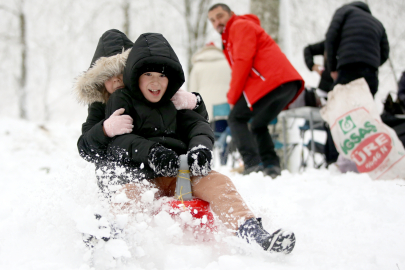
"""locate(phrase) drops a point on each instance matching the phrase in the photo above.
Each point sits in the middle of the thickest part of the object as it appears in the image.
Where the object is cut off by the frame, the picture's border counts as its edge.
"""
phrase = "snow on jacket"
(210, 76)
(108, 61)
(154, 122)
(319, 49)
(258, 65)
(355, 36)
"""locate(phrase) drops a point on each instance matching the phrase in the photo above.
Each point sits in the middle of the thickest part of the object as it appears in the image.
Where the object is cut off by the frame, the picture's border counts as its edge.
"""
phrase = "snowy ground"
(48, 194)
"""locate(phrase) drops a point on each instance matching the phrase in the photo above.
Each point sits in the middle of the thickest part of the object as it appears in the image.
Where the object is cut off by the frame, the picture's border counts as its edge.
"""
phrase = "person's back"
(210, 76)
(356, 36)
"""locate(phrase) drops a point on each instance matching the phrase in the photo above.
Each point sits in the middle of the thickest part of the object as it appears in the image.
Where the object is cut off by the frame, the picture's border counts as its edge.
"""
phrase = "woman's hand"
(118, 124)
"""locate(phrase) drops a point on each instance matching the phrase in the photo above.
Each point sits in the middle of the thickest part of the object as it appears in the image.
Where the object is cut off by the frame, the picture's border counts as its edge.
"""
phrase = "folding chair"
(222, 135)
(279, 145)
(318, 147)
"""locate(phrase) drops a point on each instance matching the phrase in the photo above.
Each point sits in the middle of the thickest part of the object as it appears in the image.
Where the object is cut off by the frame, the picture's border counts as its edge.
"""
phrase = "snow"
(48, 197)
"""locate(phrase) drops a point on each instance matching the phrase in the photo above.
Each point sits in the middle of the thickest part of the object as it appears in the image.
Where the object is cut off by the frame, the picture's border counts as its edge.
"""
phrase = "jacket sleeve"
(333, 38)
(201, 109)
(92, 144)
(194, 129)
(401, 89)
(311, 50)
(127, 146)
(244, 39)
(385, 48)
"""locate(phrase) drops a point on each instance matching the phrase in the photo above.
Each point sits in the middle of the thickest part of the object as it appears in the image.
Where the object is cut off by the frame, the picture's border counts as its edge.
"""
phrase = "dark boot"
(279, 241)
(272, 170)
(255, 168)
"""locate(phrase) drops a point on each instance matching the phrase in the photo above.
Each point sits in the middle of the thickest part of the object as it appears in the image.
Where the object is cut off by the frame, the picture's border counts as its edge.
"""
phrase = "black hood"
(151, 52)
(112, 42)
(360, 5)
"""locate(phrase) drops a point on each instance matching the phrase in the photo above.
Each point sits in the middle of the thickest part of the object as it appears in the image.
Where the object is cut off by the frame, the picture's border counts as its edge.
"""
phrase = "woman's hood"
(152, 52)
(108, 61)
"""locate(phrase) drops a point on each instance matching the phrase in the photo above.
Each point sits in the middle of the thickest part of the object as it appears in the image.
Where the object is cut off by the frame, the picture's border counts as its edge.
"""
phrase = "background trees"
(45, 44)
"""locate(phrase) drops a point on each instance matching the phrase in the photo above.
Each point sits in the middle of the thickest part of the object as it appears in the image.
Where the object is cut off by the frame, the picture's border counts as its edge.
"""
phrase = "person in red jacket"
(263, 83)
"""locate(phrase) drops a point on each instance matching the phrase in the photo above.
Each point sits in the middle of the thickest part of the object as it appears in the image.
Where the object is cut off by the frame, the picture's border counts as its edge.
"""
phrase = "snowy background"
(48, 194)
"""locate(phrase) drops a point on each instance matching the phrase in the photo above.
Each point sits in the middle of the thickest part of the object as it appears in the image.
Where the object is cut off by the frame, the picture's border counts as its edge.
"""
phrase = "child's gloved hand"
(199, 160)
(118, 124)
(163, 161)
(184, 100)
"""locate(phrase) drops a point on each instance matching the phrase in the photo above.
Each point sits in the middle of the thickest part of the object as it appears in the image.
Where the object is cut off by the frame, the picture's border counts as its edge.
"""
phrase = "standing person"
(263, 83)
(356, 45)
(210, 76)
(325, 84)
(161, 133)
(318, 49)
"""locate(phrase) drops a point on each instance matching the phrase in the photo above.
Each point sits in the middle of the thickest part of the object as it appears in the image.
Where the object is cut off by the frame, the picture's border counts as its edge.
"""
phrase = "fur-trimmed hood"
(108, 61)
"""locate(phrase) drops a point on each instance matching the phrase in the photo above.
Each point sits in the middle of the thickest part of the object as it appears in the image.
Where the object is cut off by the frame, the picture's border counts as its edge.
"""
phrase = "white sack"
(360, 135)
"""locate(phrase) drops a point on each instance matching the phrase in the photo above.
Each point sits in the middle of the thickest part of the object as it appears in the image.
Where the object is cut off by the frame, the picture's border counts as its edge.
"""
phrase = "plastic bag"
(360, 135)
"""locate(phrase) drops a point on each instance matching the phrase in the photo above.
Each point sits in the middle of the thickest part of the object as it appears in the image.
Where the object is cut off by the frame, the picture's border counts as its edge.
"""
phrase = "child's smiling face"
(153, 85)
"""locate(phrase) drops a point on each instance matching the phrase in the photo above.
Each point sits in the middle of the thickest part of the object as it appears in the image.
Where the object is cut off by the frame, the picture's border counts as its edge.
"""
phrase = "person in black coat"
(325, 84)
(356, 45)
(318, 49)
(108, 62)
(153, 74)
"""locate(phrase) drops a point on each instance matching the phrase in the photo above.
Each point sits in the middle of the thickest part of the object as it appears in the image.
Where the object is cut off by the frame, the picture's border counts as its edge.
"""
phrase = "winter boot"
(272, 170)
(255, 168)
(279, 241)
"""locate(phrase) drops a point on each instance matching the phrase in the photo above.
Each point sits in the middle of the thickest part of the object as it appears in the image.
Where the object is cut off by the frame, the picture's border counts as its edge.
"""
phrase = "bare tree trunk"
(22, 91)
(268, 13)
(126, 25)
(196, 24)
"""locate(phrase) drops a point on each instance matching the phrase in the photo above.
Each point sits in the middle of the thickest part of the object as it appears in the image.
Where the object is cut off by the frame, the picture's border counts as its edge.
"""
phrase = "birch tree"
(268, 13)
(195, 15)
(20, 39)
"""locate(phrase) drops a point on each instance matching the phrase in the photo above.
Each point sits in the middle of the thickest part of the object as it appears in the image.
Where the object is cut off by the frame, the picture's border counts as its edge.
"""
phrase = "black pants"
(255, 145)
(351, 72)
(346, 74)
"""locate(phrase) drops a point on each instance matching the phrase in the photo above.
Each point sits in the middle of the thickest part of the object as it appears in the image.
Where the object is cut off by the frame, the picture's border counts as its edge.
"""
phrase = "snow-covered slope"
(48, 196)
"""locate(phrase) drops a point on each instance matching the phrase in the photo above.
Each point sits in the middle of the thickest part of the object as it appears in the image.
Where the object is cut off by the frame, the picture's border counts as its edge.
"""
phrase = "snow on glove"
(163, 161)
(199, 159)
(118, 124)
(184, 100)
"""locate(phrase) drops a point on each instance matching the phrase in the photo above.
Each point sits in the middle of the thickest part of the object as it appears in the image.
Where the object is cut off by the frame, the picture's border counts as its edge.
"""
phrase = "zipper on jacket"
(247, 100)
(258, 74)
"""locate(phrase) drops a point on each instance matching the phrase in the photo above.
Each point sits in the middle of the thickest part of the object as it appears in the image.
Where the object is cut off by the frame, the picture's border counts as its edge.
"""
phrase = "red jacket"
(258, 65)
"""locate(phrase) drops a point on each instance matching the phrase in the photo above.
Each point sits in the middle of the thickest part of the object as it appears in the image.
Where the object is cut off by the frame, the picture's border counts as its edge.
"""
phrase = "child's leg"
(225, 201)
(133, 191)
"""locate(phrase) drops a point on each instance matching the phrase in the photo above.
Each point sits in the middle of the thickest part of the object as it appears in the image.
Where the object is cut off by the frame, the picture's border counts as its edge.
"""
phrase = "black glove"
(163, 161)
(199, 160)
